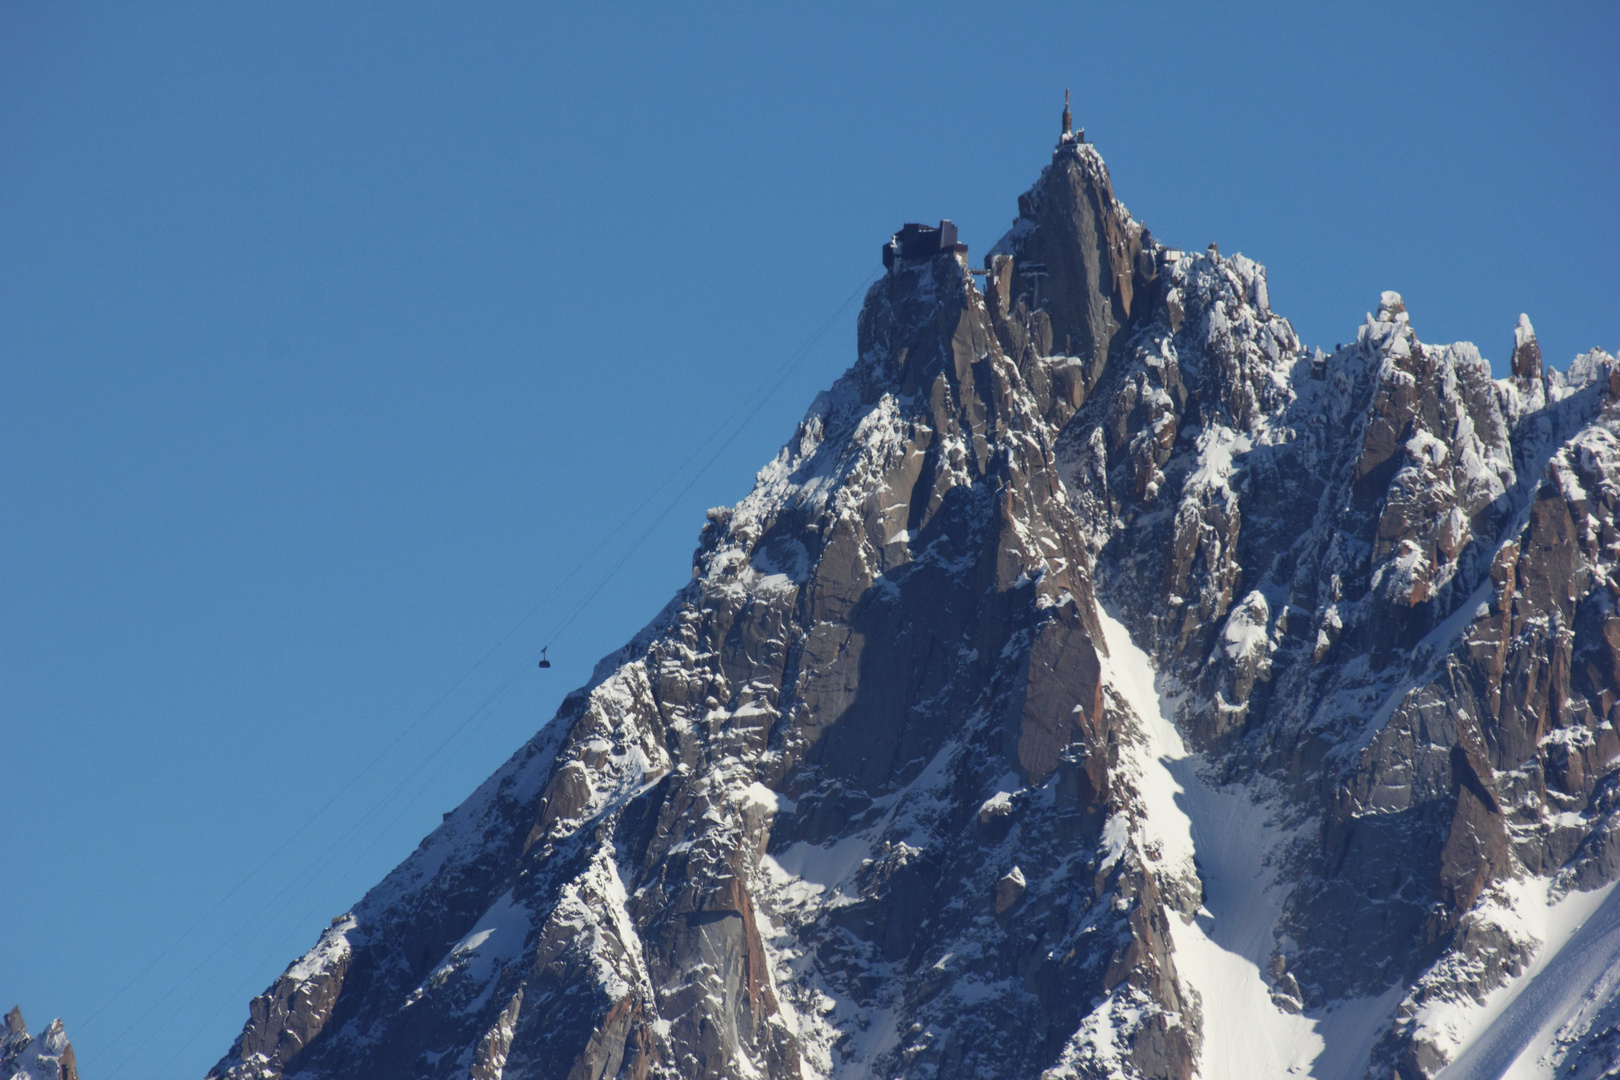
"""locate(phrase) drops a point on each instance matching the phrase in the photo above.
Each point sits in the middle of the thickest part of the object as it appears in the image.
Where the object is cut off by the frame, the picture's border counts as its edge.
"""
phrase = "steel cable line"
(301, 924)
(769, 387)
(764, 393)
(486, 708)
(767, 390)
(775, 384)
(296, 833)
(88, 1022)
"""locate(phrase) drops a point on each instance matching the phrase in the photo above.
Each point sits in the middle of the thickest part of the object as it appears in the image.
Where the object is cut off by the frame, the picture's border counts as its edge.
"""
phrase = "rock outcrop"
(48, 1056)
(1092, 649)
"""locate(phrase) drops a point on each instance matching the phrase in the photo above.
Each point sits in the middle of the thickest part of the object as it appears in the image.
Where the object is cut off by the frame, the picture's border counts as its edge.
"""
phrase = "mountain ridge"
(898, 784)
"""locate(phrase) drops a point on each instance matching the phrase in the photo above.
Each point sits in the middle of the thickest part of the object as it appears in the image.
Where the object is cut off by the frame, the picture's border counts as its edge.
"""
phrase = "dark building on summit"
(915, 241)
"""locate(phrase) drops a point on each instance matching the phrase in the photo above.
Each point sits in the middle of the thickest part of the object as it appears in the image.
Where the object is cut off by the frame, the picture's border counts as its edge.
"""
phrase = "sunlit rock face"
(1099, 683)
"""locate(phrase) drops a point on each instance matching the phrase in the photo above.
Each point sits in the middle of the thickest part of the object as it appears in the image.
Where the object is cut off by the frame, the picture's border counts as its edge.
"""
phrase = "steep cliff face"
(1368, 577)
(48, 1056)
(1099, 683)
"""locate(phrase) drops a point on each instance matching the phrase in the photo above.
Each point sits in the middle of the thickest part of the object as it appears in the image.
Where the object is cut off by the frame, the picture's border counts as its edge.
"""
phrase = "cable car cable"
(780, 378)
(794, 359)
(297, 880)
(767, 389)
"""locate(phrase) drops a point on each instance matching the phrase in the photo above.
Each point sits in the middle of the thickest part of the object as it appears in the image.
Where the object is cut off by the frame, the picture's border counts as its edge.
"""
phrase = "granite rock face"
(47, 1056)
(1099, 683)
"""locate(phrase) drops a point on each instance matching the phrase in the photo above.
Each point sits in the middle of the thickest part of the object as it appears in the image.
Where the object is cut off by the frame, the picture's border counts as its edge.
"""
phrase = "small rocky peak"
(22, 1057)
(12, 1041)
(1592, 366)
(1526, 352)
(1527, 388)
(1389, 332)
(1391, 308)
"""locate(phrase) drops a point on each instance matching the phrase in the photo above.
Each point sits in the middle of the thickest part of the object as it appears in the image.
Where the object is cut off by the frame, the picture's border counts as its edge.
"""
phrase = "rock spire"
(26, 1057)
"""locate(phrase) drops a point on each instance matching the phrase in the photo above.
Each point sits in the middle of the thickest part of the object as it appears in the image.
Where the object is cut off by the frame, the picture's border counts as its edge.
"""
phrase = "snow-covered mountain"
(25, 1057)
(1100, 683)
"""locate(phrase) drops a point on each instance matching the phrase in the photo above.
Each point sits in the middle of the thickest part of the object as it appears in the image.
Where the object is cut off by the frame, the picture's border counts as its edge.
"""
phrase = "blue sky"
(333, 341)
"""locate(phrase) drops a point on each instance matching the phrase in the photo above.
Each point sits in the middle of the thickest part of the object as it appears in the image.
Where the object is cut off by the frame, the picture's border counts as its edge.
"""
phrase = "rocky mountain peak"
(1075, 239)
(1099, 682)
(1391, 308)
(49, 1056)
(1526, 363)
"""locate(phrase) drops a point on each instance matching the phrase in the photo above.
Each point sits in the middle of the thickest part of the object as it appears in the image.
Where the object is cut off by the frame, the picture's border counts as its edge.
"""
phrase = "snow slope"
(1572, 978)
(1232, 838)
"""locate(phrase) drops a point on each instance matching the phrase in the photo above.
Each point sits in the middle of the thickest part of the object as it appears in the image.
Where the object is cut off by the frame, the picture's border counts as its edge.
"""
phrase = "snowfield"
(1231, 840)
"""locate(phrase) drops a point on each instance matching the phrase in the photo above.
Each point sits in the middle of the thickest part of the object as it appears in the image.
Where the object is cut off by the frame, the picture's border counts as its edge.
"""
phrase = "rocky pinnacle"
(49, 1056)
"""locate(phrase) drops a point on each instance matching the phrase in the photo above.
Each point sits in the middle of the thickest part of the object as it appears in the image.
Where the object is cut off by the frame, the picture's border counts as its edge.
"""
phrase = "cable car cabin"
(543, 661)
(915, 241)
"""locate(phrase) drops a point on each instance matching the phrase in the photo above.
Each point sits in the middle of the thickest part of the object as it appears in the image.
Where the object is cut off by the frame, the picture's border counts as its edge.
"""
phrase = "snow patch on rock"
(1228, 840)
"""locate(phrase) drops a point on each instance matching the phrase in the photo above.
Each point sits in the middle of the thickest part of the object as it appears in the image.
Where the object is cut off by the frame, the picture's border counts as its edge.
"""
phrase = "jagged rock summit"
(25, 1057)
(1099, 683)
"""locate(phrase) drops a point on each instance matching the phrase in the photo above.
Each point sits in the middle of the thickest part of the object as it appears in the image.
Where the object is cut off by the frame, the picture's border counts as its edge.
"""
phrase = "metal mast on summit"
(1070, 134)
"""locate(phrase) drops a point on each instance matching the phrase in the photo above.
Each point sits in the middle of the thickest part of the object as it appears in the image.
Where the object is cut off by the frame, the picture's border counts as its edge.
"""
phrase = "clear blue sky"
(330, 341)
